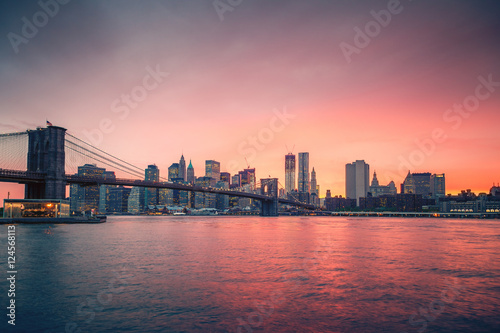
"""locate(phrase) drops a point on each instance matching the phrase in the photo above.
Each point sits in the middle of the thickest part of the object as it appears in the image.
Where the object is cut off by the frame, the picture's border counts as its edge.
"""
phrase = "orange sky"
(228, 79)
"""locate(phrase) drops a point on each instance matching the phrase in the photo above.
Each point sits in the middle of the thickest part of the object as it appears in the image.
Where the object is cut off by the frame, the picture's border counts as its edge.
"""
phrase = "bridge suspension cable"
(80, 152)
(14, 150)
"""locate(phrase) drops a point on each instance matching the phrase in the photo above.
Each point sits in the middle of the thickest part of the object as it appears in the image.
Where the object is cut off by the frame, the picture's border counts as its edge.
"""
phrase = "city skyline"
(395, 102)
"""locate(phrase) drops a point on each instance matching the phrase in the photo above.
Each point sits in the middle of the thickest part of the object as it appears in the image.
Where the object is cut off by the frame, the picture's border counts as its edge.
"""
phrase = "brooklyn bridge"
(39, 159)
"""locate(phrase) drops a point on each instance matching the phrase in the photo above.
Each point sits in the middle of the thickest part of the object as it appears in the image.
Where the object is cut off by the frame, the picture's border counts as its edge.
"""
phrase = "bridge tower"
(269, 186)
(46, 155)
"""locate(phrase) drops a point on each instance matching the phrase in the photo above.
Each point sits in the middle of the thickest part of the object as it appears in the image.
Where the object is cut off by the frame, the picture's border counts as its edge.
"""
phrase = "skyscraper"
(303, 179)
(190, 173)
(173, 172)
(438, 185)
(313, 182)
(225, 177)
(212, 170)
(289, 173)
(86, 198)
(314, 199)
(152, 173)
(357, 180)
(417, 183)
(247, 177)
(182, 168)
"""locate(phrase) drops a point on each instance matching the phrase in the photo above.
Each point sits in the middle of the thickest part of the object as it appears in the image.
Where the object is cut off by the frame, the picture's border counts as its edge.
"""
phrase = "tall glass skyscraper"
(212, 170)
(303, 173)
(289, 173)
(152, 173)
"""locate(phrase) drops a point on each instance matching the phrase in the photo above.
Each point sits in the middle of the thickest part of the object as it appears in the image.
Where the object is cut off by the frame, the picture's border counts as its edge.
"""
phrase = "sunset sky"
(253, 79)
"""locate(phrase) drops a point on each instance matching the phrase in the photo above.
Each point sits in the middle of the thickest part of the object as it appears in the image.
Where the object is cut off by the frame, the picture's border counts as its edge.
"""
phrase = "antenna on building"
(248, 165)
(289, 151)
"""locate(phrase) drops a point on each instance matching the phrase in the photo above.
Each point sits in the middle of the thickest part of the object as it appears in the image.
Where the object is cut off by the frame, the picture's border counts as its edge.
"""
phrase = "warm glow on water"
(253, 274)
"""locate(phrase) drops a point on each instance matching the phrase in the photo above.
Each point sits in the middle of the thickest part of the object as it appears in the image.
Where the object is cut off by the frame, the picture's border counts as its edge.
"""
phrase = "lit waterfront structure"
(190, 178)
(289, 173)
(202, 199)
(104, 192)
(86, 198)
(303, 178)
(118, 199)
(247, 177)
(152, 173)
(136, 200)
(438, 185)
(173, 172)
(212, 170)
(314, 188)
(357, 180)
(377, 190)
(182, 168)
(417, 183)
(235, 181)
(226, 177)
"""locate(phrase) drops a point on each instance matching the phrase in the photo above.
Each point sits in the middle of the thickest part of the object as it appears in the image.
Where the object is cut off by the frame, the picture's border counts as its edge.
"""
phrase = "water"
(253, 274)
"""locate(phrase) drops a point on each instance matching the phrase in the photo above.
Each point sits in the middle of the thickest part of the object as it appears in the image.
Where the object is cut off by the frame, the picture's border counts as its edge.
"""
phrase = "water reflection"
(251, 274)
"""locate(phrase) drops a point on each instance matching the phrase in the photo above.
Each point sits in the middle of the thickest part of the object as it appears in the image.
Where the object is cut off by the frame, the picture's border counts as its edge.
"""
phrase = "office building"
(357, 180)
(289, 173)
(377, 190)
(86, 198)
(417, 183)
(225, 177)
(173, 172)
(303, 180)
(152, 173)
(182, 168)
(212, 170)
(438, 185)
(190, 178)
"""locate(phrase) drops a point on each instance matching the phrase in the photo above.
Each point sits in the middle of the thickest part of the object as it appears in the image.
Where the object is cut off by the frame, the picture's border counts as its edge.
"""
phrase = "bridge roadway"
(23, 177)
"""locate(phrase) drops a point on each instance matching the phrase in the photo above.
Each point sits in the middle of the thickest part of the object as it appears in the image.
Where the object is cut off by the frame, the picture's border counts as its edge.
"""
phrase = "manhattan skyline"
(420, 94)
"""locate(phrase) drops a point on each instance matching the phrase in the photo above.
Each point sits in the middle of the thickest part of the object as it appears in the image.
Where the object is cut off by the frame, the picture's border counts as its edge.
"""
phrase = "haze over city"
(402, 85)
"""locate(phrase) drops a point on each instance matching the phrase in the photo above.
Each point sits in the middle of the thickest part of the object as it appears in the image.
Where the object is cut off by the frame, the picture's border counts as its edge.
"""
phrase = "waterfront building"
(190, 178)
(136, 200)
(235, 181)
(173, 172)
(182, 168)
(212, 170)
(152, 173)
(438, 185)
(417, 183)
(86, 198)
(226, 177)
(104, 192)
(357, 180)
(247, 178)
(202, 199)
(377, 190)
(289, 173)
(118, 199)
